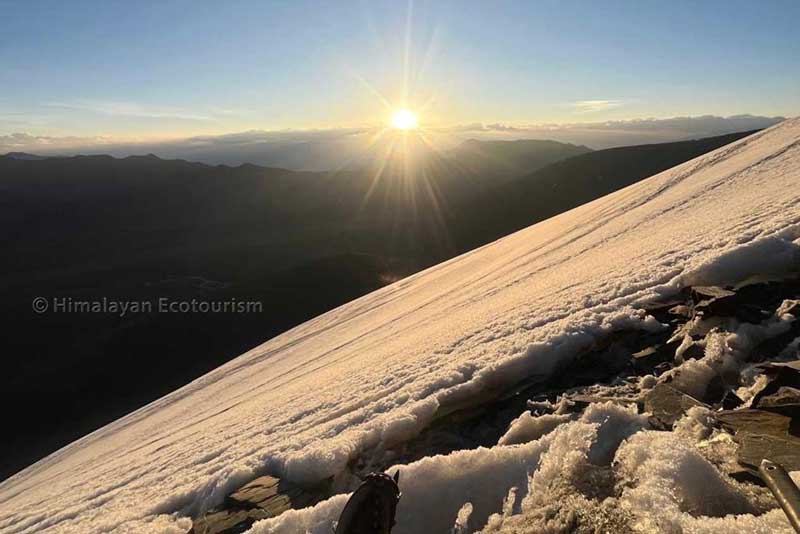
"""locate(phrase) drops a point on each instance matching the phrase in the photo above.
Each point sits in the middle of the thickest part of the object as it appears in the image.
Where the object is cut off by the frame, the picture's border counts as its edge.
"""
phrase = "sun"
(404, 119)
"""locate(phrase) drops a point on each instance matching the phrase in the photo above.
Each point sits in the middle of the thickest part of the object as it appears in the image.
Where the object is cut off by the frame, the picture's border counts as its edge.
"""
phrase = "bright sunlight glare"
(404, 119)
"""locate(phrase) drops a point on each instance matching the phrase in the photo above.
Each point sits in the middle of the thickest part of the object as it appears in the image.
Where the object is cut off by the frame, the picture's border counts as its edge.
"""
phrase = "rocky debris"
(261, 498)
(781, 346)
(721, 302)
(762, 434)
(626, 367)
(227, 521)
(650, 358)
(721, 395)
(781, 392)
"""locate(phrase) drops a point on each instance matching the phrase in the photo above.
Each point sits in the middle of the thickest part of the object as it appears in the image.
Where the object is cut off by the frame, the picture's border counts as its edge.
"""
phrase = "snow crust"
(378, 370)
(435, 489)
(529, 427)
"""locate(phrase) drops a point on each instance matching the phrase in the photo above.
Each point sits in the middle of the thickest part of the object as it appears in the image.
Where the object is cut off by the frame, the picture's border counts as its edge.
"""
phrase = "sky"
(147, 70)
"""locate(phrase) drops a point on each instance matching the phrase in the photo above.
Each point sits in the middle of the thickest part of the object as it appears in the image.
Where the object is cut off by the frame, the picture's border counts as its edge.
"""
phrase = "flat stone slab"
(227, 522)
(785, 401)
(667, 404)
(763, 434)
(261, 498)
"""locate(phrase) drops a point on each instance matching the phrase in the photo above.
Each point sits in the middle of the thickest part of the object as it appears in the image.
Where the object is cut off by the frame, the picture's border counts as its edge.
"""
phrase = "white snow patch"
(725, 354)
(677, 490)
(529, 427)
(492, 480)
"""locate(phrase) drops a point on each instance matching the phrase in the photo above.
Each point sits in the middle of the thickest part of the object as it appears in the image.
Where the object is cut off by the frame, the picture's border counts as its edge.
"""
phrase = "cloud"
(277, 136)
(608, 134)
(592, 106)
(480, 127)
(131, 109)
(25, 142)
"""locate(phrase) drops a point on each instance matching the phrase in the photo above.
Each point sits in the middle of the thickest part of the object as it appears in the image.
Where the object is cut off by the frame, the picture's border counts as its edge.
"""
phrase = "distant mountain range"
(511, 158)
(349, 148)
(573, 181)
(301, 243)
(24, 156)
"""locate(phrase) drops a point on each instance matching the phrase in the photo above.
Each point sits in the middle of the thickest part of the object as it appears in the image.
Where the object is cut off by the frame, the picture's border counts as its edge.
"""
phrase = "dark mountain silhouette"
(24, 155)
(142, 228)
(574, 181)
(511, 158)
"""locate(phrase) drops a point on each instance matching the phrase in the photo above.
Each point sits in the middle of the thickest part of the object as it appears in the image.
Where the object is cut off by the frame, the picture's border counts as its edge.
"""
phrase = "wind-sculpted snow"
(378, 370)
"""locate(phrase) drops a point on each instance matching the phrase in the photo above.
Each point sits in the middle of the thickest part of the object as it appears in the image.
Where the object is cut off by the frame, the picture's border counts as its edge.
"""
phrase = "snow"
(676, 484)
(529, 427)
(436, 488)
(724, 354)
(378, 370)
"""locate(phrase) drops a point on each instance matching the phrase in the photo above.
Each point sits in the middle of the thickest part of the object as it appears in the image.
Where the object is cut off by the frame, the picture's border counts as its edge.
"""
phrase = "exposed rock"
(258, 499)
(751, 303)
(648, 359)
(270, 494)
(731, 401)
(785, 401)
(789, 367)
(610, 371)
(667, 404)
(682, 310)
(582, 401)
(706, 294)
(227, 521)
(781, 374)
(763, 434)
(720, 394)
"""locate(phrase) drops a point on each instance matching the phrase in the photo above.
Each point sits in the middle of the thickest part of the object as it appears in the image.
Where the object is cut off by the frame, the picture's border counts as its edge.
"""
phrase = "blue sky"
(179, 67)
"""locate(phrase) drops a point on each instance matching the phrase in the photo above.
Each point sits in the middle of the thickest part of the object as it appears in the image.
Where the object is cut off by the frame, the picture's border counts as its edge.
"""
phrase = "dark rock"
(730, 400)
(227, 522)
(720, 394)
(780, 374)
(661, 368)
(270, 494)
(702, 294)
(743, 304)
(582, 401)
(763, 434)
(785, 401)
(695, 351)
(662, 310)
(648, 359)
(793, 366)
(682, 310)
(715, 390)
(667, 404)
(258, 499)
(772, 347)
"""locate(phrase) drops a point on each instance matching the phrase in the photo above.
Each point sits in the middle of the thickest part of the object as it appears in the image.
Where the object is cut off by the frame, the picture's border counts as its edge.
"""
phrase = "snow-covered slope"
(379, 369)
